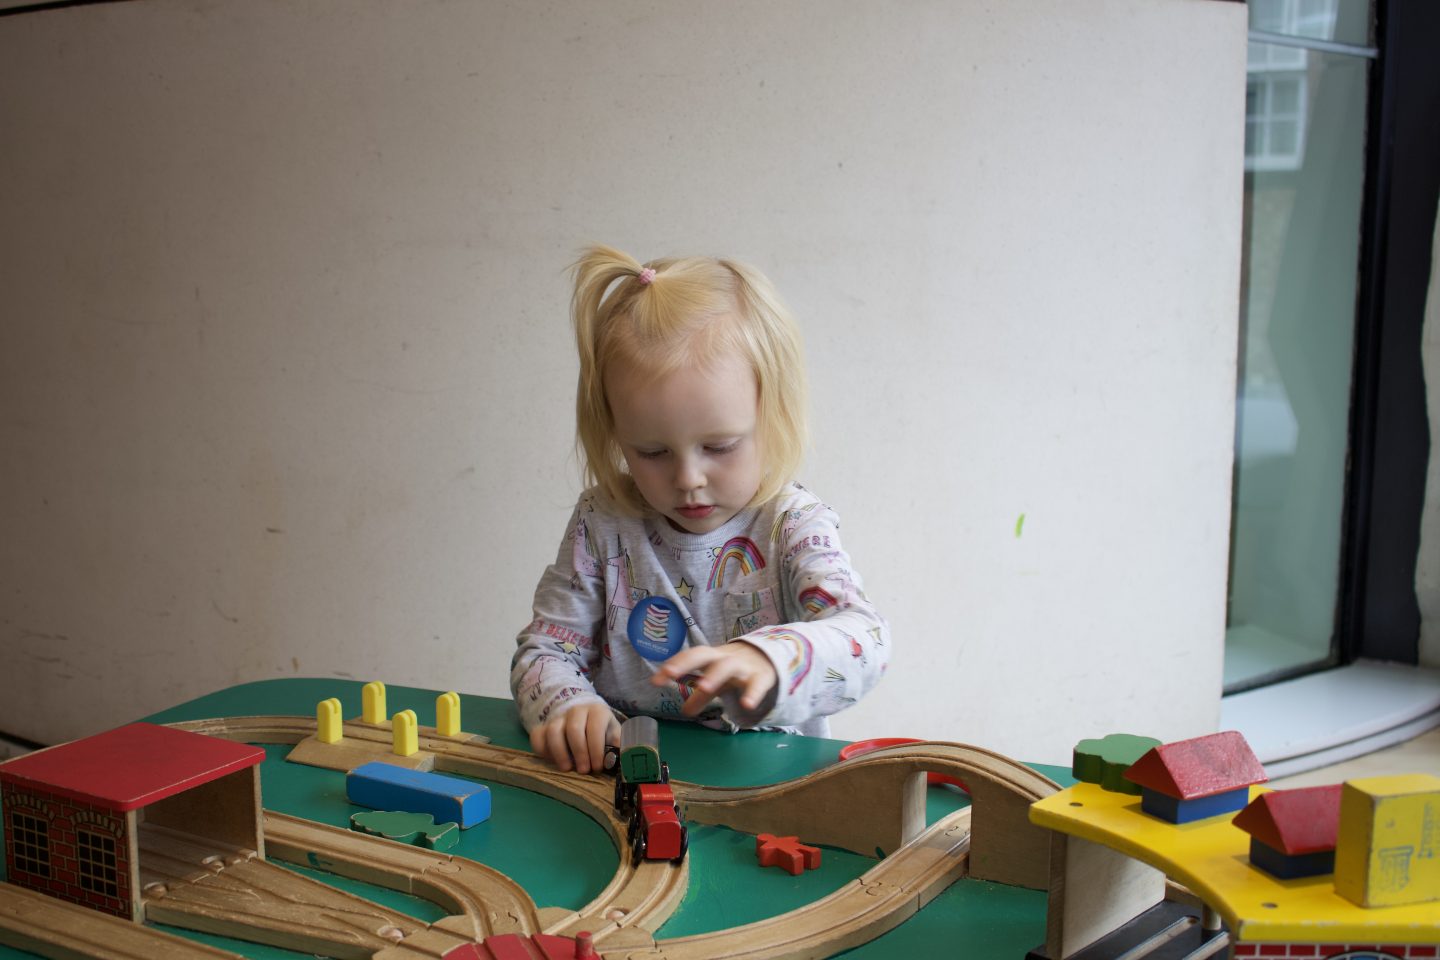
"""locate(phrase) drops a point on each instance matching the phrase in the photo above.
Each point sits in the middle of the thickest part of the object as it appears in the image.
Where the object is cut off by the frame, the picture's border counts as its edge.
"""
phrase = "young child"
(695, 578)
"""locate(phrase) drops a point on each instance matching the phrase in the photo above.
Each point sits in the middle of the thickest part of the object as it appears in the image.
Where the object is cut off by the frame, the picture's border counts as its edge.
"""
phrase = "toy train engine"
(656, 832)
(643, 797)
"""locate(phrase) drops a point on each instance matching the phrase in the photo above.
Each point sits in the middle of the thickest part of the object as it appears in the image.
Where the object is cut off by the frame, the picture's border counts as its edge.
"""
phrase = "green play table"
(564, 859)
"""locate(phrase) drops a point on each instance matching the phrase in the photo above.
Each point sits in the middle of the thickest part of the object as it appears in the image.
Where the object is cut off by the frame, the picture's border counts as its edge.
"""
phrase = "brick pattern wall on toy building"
(1334, 951)
(72, 851)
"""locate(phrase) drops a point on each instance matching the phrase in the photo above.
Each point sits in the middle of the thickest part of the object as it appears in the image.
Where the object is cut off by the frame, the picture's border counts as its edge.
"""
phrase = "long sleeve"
(559, 651)
(836, 646)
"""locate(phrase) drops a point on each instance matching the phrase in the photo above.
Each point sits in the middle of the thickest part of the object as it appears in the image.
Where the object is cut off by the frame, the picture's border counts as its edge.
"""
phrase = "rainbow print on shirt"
(800, 663)
(816, 601)
(741, 550)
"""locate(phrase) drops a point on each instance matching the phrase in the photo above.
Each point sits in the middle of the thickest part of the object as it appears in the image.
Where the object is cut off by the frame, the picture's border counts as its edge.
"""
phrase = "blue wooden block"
(385, 786)
(1177, 811)
(1293, 866)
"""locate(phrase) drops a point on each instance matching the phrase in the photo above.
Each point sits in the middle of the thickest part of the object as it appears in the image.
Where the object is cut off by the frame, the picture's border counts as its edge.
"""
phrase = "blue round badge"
(656, 628)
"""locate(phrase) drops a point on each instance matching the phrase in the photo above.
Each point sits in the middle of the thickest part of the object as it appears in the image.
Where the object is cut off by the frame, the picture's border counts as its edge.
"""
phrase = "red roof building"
(1207, 765)
(1294, 821)
(73, 812)
(1197, 778)
(1292, 832)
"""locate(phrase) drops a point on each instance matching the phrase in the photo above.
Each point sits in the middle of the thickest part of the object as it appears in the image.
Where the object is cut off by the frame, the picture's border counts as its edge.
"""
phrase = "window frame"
(1379, 612)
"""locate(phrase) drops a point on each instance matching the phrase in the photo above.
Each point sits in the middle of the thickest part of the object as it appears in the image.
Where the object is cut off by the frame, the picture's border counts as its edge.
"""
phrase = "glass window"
(1305, 165)
(32, 843)
(95, 854)
(1335, 21)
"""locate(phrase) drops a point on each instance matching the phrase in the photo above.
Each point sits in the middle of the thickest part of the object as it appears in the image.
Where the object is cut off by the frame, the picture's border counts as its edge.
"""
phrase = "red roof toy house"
(73, 813)
(1292, 832)
(1194, 779)
(515, 946)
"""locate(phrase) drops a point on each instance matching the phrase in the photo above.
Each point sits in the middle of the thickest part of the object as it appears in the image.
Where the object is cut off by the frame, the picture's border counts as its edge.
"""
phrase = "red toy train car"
(656, 832)
(642, 793)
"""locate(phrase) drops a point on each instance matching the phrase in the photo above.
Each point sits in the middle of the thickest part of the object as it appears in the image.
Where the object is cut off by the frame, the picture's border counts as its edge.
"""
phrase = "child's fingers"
(556, 747)
(538, 741)
(735, 664)
(756, 687)
(695, 703)
(577, 738)
(597, 732)
(688, 660)
(723, 672)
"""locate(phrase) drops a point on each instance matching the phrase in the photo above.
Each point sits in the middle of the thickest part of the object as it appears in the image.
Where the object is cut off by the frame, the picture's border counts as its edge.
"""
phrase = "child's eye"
(649, 454)
(723, 448)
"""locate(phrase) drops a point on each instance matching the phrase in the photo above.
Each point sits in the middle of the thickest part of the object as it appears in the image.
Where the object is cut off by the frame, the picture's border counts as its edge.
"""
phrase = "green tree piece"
(419, 829)
(1105, 761)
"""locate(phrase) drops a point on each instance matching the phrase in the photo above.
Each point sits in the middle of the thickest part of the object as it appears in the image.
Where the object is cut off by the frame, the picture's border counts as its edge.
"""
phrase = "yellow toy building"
(1375, 906)
(1388, 850)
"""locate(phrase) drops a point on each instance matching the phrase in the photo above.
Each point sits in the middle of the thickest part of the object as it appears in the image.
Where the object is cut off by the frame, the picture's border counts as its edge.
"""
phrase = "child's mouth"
(696, 512)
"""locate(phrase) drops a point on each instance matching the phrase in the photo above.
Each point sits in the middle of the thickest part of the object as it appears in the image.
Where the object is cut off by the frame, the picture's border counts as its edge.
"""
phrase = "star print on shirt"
(685, 589)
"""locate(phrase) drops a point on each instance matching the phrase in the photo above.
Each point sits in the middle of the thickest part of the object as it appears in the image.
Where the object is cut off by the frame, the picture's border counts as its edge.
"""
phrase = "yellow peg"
(447, 714)
(407, 739)
(328, 726)
(373, 697)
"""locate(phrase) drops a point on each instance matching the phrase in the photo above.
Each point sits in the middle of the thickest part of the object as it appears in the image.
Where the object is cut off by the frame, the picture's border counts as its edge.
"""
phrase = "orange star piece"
(787, 853)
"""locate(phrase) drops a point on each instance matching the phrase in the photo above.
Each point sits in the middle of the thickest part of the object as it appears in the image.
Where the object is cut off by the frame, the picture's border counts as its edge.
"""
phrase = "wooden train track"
(863, 909)
(486, 900)
(992, 839)
(38, 923)
(821, 807)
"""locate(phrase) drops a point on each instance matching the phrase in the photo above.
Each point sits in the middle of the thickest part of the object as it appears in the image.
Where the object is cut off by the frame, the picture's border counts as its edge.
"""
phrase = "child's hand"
(577, 738)
(736, 664)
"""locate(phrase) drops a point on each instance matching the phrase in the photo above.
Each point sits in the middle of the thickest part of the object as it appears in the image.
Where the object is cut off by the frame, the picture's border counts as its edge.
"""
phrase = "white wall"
(287, 381)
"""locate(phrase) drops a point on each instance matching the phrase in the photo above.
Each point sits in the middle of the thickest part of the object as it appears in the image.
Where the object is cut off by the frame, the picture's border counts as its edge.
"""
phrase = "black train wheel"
(624, 798)
(684, 845)
(637, 847)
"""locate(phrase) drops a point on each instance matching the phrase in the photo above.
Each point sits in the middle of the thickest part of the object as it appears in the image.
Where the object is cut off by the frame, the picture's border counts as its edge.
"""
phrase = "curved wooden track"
(992, 839)
(264, 902)
(821, 807)
(491, 902)
(640, 896)
(863, 909)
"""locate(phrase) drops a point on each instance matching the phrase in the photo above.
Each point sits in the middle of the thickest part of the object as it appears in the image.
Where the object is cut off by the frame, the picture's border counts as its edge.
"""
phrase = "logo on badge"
(657, 628)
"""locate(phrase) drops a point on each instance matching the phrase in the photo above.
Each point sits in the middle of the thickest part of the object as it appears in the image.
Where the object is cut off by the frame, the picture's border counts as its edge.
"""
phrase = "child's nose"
(688, 475)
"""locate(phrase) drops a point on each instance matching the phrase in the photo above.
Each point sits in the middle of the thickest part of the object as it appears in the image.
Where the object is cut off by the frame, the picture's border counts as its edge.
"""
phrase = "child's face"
(689, 439)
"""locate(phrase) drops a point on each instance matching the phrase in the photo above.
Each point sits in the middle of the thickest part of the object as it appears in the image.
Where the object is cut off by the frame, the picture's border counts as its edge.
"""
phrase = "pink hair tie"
(646, 276)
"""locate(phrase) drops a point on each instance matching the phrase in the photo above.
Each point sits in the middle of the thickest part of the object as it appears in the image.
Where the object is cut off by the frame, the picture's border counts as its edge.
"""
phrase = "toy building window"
(95, 854)
(32, 843)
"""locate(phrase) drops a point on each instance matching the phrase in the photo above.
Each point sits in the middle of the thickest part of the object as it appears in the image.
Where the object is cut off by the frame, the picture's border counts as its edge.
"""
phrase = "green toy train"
(643, 797)
(636, 761)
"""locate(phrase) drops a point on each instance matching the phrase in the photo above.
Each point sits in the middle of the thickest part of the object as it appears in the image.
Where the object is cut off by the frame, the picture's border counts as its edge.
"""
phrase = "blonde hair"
(688, 311)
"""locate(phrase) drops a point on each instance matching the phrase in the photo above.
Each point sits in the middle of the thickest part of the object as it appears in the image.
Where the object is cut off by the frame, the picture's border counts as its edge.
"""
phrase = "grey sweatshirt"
(626, 593)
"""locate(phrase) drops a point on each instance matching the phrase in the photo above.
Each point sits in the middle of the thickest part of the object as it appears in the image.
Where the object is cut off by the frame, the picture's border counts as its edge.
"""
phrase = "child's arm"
(837, 647)
(569, 723)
